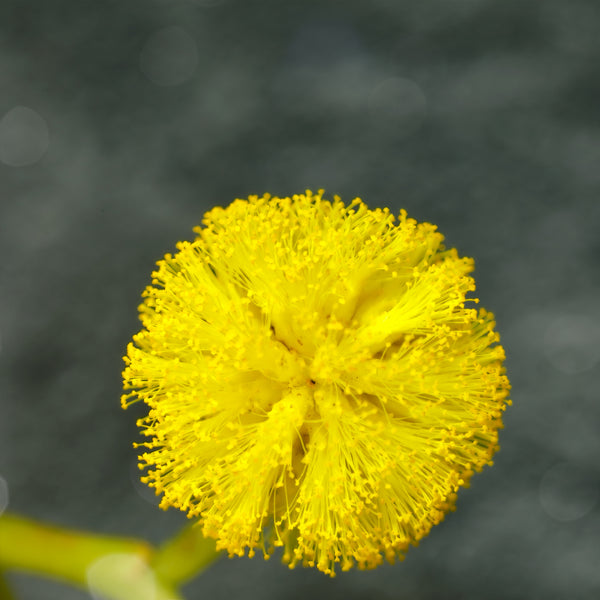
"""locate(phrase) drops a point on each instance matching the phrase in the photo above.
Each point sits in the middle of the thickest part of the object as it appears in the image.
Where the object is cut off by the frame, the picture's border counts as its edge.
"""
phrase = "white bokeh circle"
(169, 56)
(24, 137)
(398, 104)
(207, 3)
(121, 576)
(199, 3)
(572, 343)
(3, 495)
(568, 492)
(144, 491)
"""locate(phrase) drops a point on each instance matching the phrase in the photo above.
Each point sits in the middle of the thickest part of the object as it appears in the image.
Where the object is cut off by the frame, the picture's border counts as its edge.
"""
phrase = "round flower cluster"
(316, 379)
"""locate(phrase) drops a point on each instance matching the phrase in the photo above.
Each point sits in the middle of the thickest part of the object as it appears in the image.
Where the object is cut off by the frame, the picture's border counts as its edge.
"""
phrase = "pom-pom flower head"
(315, 380)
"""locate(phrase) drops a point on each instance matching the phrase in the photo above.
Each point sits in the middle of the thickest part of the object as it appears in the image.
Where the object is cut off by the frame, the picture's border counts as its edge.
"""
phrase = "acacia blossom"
(316, 379)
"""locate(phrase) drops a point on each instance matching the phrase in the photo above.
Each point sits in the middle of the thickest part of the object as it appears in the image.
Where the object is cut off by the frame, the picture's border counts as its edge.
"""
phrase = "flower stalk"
(184, 556)
(118, 568)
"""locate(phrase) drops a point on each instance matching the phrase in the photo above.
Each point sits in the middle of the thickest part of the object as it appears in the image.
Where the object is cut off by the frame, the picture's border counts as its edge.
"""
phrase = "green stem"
(184, 556)
(65, 554)
(115, 567)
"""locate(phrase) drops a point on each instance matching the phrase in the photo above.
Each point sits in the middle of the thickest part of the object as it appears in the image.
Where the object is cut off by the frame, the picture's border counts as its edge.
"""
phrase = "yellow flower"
(315, 380)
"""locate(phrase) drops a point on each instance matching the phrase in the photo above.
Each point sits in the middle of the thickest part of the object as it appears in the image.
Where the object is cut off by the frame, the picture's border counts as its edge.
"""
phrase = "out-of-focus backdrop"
(122, 122)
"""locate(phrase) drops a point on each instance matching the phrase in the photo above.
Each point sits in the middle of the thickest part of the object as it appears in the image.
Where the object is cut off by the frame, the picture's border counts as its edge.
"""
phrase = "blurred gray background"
(122, 122)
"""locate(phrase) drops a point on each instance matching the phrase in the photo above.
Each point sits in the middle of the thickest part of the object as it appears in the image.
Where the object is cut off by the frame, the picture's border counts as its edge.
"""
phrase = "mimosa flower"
(316, 379)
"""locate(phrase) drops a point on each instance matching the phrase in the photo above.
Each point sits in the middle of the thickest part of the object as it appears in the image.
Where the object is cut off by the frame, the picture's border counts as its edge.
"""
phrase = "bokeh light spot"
(169, 57)
(121, 576)
(145, 492)
(568, 492)
(398, 105)
(207, 3)
(572, 343)
(24, 137)
(3, 495)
